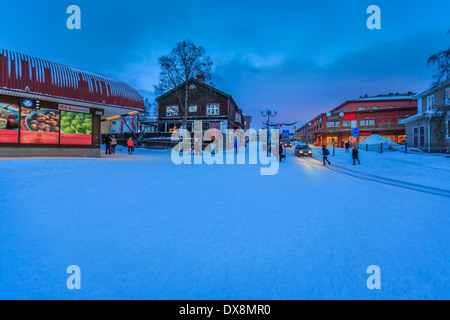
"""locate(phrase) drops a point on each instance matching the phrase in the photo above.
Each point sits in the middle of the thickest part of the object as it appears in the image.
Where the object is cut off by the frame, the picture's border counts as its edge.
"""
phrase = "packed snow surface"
(140, 227)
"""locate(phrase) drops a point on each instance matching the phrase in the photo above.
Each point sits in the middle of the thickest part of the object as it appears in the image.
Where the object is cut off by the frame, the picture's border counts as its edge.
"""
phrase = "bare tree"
(184, 62)
(441, 60)
(139, 121)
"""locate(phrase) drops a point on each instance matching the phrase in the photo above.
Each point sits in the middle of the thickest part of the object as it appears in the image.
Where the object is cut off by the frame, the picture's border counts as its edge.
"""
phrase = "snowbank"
(376, 139)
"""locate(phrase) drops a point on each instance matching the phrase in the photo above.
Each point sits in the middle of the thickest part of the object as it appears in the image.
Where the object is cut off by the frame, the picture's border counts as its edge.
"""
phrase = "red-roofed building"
(381, 115)
(49, 109)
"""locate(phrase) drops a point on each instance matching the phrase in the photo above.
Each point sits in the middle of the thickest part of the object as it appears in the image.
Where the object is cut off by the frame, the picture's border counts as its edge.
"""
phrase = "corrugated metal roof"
(25, 73)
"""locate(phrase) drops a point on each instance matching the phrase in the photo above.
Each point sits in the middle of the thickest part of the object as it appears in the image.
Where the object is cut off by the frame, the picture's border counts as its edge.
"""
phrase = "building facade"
(216, 109)
(429, 130)
(49, 109)
(382, 115)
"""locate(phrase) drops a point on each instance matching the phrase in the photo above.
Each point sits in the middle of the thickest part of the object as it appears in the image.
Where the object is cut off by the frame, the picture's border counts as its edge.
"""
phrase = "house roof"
(432, 89)
(229, 96)
(23, 74)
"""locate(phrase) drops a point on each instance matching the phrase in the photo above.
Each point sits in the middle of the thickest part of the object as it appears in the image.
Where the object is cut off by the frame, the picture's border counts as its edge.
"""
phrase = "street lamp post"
(268, 113)
(341, 114)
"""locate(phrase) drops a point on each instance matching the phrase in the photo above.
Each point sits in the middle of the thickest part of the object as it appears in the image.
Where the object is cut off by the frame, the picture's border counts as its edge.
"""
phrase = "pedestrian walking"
(108, 144)
(113, 144)
(281, 152)
(130, 145)
(347, 146)
(237, 145)
(355, 155)
(342, 144)
(325, 154)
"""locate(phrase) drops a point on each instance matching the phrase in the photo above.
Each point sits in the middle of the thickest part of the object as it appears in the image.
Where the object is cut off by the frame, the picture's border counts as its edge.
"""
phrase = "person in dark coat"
(347, 146)
(281, 154)
(108, 144)
(325, 154)
(355, 155)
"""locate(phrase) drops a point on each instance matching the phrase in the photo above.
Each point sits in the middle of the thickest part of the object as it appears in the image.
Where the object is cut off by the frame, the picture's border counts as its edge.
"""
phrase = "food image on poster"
(9, 123)
(39, 126)
(76, 128)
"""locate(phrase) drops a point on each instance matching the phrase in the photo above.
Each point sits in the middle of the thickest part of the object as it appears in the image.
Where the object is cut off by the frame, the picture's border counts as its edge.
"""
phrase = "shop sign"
(30, 104)
(73, 109)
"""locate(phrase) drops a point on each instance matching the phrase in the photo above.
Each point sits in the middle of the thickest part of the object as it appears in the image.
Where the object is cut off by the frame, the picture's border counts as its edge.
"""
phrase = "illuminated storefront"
(47, 109)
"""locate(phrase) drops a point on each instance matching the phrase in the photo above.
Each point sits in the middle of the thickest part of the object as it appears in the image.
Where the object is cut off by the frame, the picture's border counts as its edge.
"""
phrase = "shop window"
(346, 123)
(39, 126)
(172, 111)
(9, 123)
(212, 110)
(76, 128)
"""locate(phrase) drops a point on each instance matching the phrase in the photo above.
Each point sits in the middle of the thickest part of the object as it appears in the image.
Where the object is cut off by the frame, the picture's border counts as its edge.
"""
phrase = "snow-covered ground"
(431, 170)
(140, 227)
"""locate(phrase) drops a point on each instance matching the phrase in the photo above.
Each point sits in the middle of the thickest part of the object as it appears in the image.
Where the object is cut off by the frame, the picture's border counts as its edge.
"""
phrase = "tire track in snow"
(382, 180)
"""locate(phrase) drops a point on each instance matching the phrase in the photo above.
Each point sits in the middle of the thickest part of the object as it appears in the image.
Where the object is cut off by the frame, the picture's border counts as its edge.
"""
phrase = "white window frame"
(216, 109)
(419, 105)
(429, 105)
(171, 114)
(237, 117)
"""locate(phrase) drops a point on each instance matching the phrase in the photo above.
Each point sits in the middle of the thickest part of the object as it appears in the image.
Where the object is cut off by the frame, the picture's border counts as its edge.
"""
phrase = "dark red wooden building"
(380, 115)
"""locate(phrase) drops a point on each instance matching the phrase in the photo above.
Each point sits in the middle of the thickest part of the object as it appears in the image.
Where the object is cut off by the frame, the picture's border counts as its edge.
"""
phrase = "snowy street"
(141, 227)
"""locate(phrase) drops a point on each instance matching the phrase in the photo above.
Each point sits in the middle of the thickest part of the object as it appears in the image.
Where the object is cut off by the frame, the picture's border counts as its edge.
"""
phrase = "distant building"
(429, 129)
(247, 121)
(215, 108)
(382, 114)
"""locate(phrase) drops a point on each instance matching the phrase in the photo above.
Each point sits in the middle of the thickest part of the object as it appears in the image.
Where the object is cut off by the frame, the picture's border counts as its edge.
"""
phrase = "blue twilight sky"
(302, 57)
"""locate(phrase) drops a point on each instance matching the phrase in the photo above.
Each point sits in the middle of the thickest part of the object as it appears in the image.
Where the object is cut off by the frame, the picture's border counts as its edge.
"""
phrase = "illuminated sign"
(73, 109)
(30, 104)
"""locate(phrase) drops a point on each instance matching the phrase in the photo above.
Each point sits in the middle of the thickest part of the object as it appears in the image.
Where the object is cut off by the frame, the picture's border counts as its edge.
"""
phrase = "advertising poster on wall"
(76, 128)
(9, 123)
(39, 126)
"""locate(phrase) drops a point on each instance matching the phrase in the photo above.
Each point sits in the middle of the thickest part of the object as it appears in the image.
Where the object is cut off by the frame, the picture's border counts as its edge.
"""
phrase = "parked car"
(303, 150)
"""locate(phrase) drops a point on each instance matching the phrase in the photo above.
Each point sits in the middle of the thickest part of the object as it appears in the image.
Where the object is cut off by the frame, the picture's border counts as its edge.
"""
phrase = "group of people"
(111, 144)
(355, 154)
